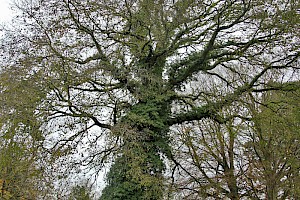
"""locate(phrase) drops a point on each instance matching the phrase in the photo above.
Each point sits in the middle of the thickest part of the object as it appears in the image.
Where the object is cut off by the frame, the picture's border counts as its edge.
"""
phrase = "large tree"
(116, 75)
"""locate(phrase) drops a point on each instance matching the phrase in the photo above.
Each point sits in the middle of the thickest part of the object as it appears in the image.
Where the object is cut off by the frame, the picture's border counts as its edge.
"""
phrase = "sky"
(5, 12)
(5, 15)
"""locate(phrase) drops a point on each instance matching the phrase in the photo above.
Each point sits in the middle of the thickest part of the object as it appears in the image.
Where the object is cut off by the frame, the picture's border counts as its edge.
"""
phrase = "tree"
(252, 157)
(209, 163)
(21, 159)
(80, 192)
(274, 149)
(19, 173)
(118, 75)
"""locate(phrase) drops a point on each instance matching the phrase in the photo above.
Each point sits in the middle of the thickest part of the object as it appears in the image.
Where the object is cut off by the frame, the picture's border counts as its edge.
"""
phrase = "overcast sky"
(5, 12)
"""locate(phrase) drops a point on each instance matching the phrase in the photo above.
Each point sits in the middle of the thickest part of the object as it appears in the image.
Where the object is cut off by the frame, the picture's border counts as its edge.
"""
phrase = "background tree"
(21, 167)
(80, 192)
(274, 149)
(118, 75)
(248, 157)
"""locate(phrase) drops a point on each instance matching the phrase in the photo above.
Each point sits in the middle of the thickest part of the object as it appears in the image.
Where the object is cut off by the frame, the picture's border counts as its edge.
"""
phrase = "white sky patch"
(5, 11)
(6, 14)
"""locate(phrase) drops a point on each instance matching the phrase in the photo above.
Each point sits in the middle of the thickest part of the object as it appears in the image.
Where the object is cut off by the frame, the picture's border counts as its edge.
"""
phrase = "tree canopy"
(167, 93)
